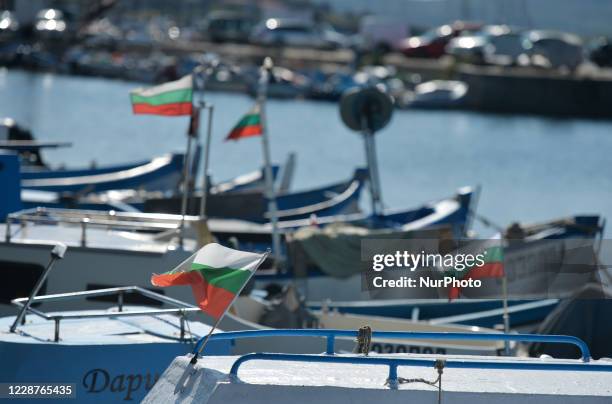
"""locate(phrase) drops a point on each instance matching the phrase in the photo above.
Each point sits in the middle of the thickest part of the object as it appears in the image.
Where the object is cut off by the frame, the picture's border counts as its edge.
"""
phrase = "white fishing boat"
(383, 378)
(106, 355)
(253, 313)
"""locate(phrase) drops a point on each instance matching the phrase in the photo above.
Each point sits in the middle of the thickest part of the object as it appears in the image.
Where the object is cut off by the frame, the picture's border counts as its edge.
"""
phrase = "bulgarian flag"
(249, 125)
(169, 99)
(493, 266)
(216, 275)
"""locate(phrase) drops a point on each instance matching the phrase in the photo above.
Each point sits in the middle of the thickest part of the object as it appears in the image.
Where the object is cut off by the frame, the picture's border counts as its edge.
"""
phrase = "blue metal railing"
(331, 335)
(393, 363)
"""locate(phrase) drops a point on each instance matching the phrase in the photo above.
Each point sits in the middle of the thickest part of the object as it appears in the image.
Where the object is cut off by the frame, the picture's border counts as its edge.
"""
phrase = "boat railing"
(180, 308)
(112, 220)
(438, 363)
(331, 336)
(431, 360)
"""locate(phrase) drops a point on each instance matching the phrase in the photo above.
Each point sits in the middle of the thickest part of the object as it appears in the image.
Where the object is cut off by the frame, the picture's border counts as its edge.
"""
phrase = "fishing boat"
(385, 378)
(132, 200)
(117, 353)
(252, 205)
(107, 355)
(286, 311)
(478, 312)
(159, 173)
(538, 265)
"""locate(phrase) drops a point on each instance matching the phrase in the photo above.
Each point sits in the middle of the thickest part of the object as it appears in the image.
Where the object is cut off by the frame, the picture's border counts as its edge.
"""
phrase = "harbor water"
(530, 168)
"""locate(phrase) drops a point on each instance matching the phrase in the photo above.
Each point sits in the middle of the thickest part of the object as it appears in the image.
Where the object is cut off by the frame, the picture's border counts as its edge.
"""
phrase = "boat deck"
(280, 381)
(101, 330)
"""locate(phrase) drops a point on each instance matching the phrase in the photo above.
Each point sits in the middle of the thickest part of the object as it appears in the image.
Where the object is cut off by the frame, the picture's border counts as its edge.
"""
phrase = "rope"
(191, 337)
(364, 341)
(487, 222)
(439, 365)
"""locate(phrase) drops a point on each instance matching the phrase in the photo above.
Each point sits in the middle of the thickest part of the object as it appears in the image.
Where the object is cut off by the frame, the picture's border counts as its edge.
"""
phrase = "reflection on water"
(530, 168)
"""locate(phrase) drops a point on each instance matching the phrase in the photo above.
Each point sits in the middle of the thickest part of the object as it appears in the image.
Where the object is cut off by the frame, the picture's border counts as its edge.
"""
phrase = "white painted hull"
(270, 382)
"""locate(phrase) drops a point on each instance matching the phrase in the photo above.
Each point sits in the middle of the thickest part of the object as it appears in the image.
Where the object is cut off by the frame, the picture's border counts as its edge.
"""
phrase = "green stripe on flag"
(229, 279)
(494, 254)
(248, 120)
(170, 97)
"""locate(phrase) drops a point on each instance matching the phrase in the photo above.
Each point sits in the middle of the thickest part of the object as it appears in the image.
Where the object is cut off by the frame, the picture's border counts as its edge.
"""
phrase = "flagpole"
(194, 360)
(266, 70)
(506, 315)
(210, 107)
(206, 69)
(186, 180)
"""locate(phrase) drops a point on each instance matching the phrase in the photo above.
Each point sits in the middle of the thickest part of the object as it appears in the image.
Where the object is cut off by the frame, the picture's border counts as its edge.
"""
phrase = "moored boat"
(479, 312)
(106, 355)
(548, 260)
(251, 205)
(386, 378)
(159, 173)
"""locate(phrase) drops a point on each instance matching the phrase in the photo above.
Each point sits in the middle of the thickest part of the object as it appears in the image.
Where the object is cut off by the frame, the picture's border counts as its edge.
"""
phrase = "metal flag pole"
(56, 254)
(506, 315)
(203, 72)
(186, 180)
(191, 133)
(266, 70)
(194, 360)
(210, 107)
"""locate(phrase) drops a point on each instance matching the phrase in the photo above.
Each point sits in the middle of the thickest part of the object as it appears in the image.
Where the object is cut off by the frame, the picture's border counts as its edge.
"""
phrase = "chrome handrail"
(131, 221)
(181, 308)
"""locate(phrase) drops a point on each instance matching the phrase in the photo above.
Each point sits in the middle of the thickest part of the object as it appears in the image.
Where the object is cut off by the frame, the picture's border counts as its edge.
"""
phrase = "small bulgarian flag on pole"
(168, 99)
(216, 275)
(493, 266)
(249, 125)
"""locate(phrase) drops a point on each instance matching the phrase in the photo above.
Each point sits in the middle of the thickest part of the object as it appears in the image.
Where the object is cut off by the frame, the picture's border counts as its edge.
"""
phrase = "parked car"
(432, 43)
(8, 24)
(553, 50)
(493, 44)
(383, 34)
(50, 22)
(299, 33)
(228, 26)
(600, 52)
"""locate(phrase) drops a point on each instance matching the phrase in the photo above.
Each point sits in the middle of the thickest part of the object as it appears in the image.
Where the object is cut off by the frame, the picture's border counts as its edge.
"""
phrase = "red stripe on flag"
(176, 109)
(245, 131)
(489, 270)
(211, 300)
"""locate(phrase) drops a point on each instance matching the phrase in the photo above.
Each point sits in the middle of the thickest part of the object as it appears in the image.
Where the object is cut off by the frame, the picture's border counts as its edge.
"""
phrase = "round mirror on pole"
(368, 110)
(368, 104)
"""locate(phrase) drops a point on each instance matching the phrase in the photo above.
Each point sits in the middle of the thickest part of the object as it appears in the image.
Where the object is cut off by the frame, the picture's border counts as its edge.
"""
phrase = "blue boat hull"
(101, 373)
(331, 200)
(159, 174)
(481, 313)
